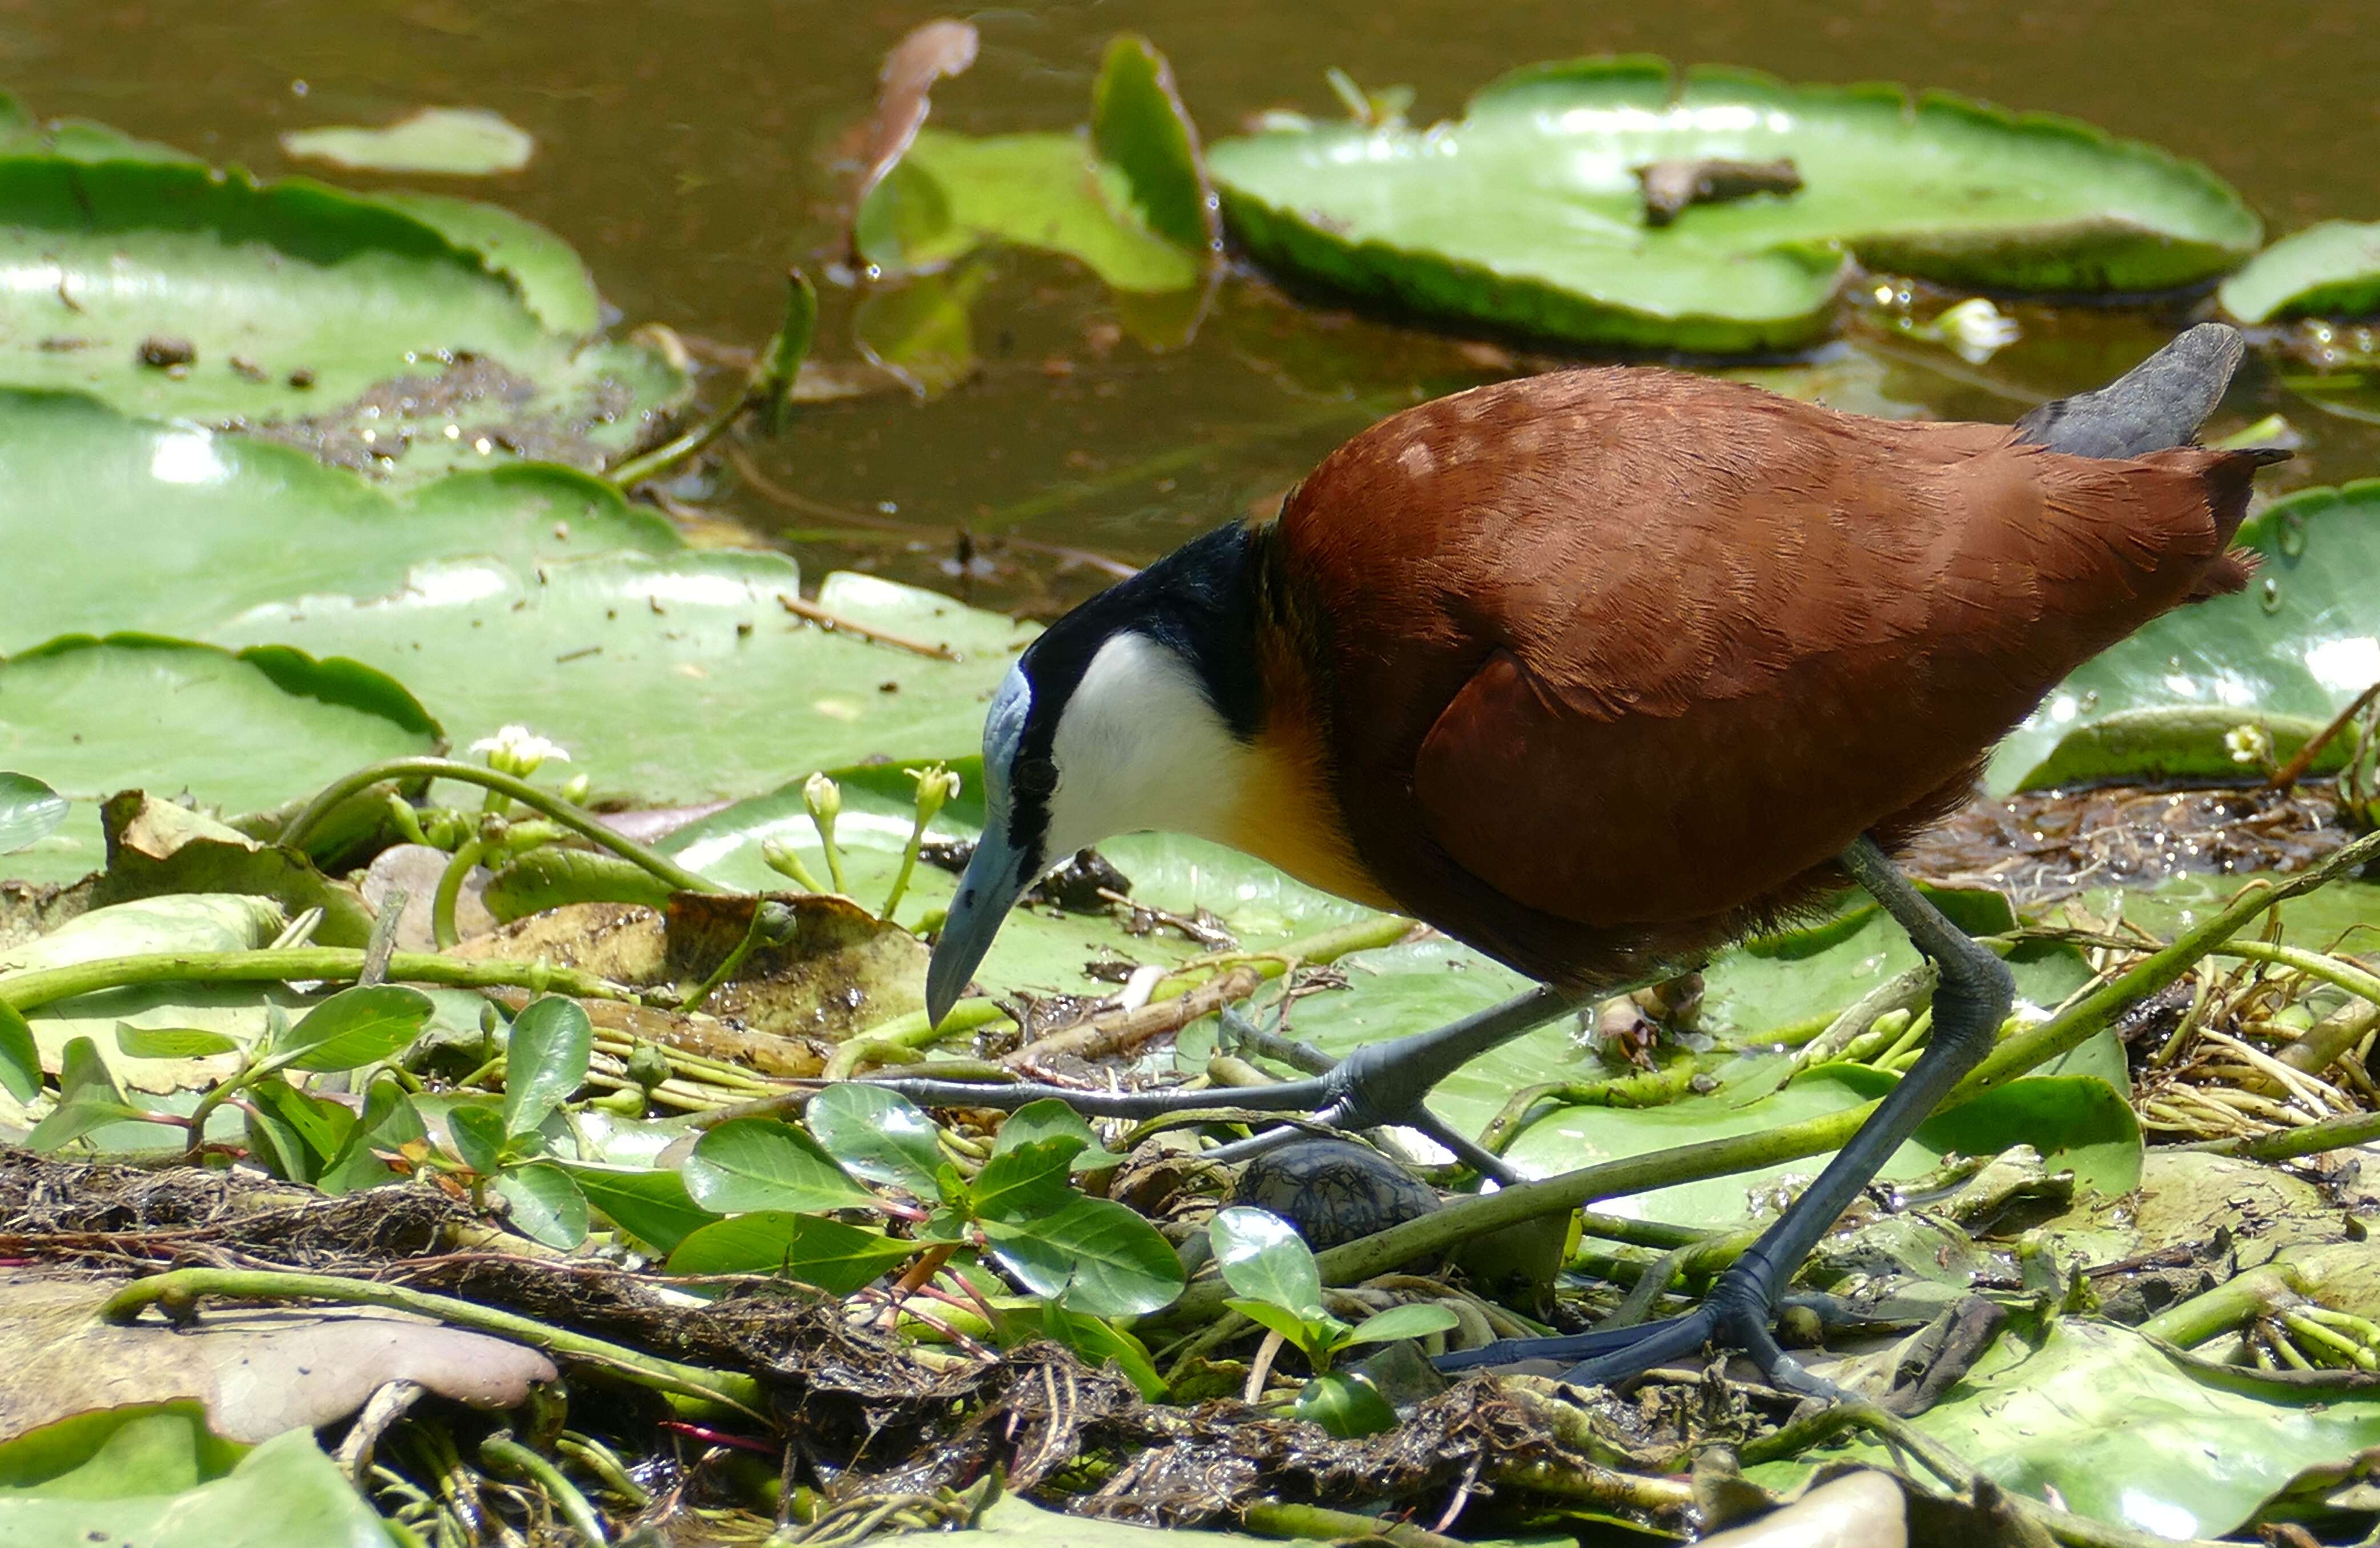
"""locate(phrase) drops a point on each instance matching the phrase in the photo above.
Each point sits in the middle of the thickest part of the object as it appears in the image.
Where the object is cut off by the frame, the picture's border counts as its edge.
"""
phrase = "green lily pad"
(1527, 213)
(552, 276)
(1124, 197)
(2330, 270)
(458, 141)
(2126, 1433)
(154, 1477)
(2301, 641)
(195, 525)
(669, 678)
(90, 716)
(170, 289)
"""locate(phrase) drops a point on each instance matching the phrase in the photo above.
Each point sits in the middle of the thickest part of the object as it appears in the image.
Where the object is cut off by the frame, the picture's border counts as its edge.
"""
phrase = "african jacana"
(1597, 671)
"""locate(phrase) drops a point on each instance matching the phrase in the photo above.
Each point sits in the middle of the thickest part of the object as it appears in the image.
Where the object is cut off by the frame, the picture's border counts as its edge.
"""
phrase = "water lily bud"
(648, 1066)
(935, 786)
(781, 858)
(824, 797)
(576, 789)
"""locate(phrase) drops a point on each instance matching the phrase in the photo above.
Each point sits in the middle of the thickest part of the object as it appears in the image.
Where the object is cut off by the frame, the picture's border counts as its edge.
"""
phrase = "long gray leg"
(1969, 1005)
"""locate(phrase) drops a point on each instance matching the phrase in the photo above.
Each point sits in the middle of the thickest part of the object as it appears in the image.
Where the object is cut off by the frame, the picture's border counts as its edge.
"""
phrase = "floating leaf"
(1528, 213)
(545, 1061)
(1263, 1257)
(2330, 270)
(546, 1204)
(2301, 641)
(1104, 1259)
(245, 731)
(29, 811)
(760, 1163)
(284, 1494)
(198, 526)
(833, 1256)
(458, 141)
(879, 1135)
(677, 679)
(354, 1028)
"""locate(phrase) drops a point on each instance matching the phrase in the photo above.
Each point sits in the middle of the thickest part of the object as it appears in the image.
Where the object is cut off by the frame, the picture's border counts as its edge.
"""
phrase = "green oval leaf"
(354, 1028)
(1414, 1320)
(1263, 1257)
(477, 1130)
(1348, 1406)
(760, 1163)
(1528, 212)
(545, 1060)
(29, 810)
(389, 1122)
(458, 141)
(1037, 1122)
(171, 1042)
(650, 1204)
(833, 1256)
(1310, 1334)
(879, 1135)
(1025, 1180)
(1105, 1260)
(2330, 270)
(546, 1205)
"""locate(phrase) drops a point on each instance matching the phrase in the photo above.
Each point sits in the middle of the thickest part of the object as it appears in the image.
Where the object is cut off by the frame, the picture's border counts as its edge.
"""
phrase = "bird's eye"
(1034, 776)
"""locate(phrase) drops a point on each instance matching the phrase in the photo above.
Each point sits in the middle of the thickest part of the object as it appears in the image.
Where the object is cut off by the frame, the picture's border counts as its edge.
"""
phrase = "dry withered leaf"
(938, 49)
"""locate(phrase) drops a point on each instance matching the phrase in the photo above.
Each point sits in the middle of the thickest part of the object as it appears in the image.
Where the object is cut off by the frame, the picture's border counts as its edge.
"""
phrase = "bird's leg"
(1969, 1003)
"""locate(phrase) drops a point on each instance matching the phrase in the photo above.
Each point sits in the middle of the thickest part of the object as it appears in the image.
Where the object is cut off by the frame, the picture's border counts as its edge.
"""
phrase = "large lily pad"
(171, 289)
(668, 678)
(2300, 641)
(2330, 270)
(1527, 213)
(156, 1479)
(113, 522)
(92, 716)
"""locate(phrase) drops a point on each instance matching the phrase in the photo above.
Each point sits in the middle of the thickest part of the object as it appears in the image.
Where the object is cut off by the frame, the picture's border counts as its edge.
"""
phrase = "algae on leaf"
(1528, 213)
(2330, 270)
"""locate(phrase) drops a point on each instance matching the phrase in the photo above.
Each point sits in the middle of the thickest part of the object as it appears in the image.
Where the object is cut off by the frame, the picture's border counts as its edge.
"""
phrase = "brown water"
(685, 149)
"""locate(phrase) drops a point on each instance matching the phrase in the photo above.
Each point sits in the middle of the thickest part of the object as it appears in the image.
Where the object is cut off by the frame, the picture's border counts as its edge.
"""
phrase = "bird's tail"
(2156, 406)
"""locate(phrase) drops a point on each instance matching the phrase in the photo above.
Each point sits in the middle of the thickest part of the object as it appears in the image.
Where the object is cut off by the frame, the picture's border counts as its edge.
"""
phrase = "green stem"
(25, 991)
(678, 449)
(908, 864)
(904, 1033)
(506, 1455)
(2228, 1305)
(575, 818)
(179, 1286)
(2331, 1134)
(728, 964)
(450, 888)
(1318, 1523)
(2348, 976)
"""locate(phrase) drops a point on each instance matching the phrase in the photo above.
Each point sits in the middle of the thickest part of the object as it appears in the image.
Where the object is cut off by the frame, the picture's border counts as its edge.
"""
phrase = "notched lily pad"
(2330, 270)
(1528, 212)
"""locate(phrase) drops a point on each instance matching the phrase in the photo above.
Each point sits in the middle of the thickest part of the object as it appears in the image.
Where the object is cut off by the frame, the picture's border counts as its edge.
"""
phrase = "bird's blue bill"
(994, 880)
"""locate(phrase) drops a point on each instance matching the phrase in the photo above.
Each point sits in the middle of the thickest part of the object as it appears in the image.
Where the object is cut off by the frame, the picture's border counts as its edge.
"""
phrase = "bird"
(1597, 671)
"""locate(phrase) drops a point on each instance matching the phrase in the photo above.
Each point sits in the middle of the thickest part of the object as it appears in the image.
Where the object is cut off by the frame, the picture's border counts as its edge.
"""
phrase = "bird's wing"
(1667, 644)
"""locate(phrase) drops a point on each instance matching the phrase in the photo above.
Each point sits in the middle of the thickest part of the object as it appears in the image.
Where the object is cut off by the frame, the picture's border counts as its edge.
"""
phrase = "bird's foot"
(1735, 1315)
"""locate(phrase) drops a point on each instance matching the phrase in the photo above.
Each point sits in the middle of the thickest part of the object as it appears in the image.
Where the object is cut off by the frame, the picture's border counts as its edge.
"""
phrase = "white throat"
(1139, 747)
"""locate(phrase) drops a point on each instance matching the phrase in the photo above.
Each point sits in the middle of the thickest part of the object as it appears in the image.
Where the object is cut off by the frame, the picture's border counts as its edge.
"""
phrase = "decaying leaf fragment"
(1671, 187)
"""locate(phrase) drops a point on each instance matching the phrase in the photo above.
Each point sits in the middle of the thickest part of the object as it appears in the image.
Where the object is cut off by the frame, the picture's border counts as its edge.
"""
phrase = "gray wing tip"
(2159, 402)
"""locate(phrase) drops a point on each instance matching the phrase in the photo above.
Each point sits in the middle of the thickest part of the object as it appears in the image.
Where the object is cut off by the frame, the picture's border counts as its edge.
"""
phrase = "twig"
(800, 608)
(2289, 773)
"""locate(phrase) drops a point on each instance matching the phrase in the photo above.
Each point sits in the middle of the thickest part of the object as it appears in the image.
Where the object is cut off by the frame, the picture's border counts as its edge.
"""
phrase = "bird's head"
(1133, 710)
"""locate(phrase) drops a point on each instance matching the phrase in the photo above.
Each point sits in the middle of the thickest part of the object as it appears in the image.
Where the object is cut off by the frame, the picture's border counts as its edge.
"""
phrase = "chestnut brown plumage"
(1597, 671)
(1608, 666)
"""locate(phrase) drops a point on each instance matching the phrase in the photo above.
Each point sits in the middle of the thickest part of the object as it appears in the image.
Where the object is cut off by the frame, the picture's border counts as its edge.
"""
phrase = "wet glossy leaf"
(2099, 1414)
(1140, 127)
(2300, 641)
(355, 1027)
(29, 811)
(1105, 1260)
(458, 141)
(2330, 270)
(1414, 1320)
(199, 526)
(1024, 1181)
(1309, 1333)
(1346, 1406)
(93, 716)
(760, 1163)
(170, 289)
(1049, 1119)
(152, 1477)
(1263, 1257)
(20, 1061)
(171, 1042)
(1528, 212)
(546, 1204)
(551, 277)
(878, 1135)
(833, 1256)
(477, 1130)
(650, 1204)
(545, 1061)
(669, 678)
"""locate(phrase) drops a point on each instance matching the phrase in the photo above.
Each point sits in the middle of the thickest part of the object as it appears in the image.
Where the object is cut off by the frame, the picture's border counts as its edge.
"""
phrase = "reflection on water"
(687, 148)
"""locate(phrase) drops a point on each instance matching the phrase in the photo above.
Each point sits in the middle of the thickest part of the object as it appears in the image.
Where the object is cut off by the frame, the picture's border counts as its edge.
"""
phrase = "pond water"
(688, 150)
